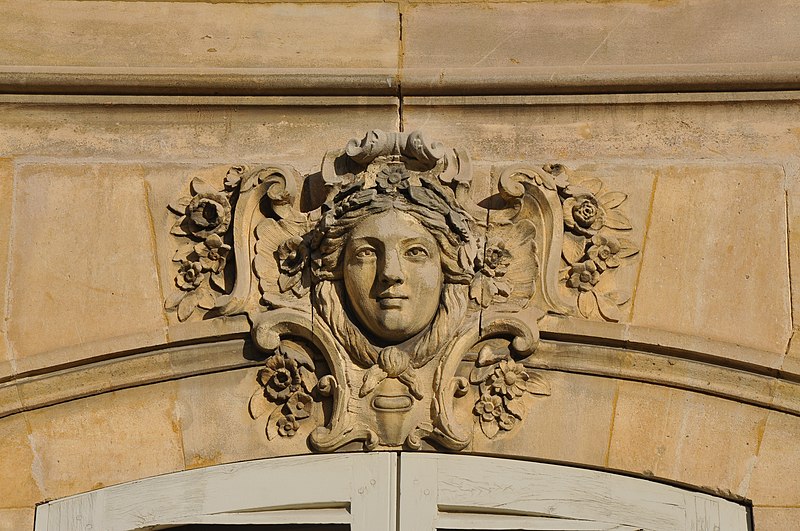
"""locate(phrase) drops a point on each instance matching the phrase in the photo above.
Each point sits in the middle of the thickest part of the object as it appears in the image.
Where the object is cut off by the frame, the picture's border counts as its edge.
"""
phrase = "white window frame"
(370, 491)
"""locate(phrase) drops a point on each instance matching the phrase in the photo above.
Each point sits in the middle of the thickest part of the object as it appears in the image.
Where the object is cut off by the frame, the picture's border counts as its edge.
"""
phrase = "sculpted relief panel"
(383, 294)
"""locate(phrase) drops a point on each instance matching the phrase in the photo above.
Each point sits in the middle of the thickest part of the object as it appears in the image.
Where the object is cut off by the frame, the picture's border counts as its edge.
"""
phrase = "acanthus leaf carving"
(380, 298)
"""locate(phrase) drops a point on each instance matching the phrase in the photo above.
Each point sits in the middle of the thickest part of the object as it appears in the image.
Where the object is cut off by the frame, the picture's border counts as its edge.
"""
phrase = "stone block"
(775, 481)
(20, 469)
(6, 191)
(83, 268)
(214, 406)
(202, 132)
(17, 519)
(557, 46)
(193, 35)
(573, 424)
(611, 128)
(106, 439)
(776, 518)
(687, 437)
(715, 262)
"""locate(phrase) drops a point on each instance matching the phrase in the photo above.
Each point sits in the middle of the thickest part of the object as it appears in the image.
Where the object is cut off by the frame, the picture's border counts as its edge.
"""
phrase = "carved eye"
(417, 251)
(365, 252)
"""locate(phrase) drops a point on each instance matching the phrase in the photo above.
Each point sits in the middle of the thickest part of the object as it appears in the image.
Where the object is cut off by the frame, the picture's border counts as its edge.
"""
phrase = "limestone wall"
(109, 109)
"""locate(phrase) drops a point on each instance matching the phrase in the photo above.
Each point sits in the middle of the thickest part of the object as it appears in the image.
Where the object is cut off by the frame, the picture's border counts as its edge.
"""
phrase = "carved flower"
(299, 405)
(190, 275)
(391, 179)
(506, 421)
(486, 283)
(583, 214)
(288, 426)
(292, 256)
(509, 379)
(280, 377)
(489, 407)
(208, 213)
(604, 251)
(583, 276)
(212, 253)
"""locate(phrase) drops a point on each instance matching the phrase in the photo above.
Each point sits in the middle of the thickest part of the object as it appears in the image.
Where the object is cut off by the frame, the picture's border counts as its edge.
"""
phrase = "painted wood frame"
(456, 492)
(355, 489)
(436, 491)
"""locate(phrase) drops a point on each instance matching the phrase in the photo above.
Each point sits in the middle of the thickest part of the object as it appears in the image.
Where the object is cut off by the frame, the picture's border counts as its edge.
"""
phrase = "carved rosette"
(381, 298)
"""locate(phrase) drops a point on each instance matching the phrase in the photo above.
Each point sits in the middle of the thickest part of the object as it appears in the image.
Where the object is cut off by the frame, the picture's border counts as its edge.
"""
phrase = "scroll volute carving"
(379, 298)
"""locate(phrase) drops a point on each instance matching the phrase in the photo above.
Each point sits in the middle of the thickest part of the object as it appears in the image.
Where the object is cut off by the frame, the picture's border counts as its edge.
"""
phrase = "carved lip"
(392, 402)
(387, 302)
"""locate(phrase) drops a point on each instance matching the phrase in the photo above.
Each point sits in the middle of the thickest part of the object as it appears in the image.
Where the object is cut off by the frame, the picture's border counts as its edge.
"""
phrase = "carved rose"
(288, 426)
(190, 275)
(496, 259)
(280, 377)
(208, 213)
(212, 253)
(583, 214)
(604, 251)
(583, 276)
(509, 379)
(486, 283)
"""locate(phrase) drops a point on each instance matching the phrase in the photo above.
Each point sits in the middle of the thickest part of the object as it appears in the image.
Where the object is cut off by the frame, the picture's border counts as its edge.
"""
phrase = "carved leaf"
(489, 427)
(574, 248)
(516, 408)
(258, 404)
(177, 228)
(616, 220)
(587, 303)
(183, 252)
(308, 378)
(179, 205)
(174, 300)
(593, 185)
(199, 186)
(479, 374)
(488, 356)
(205, 299)
(286, 282)
(300, 356)
(272, 423)
(218, 281)
(187, 306)
(626, 248)
(547, 180)
(537, 385)
(608, 308)
(619, 297)
(612, 199)
(503, 288)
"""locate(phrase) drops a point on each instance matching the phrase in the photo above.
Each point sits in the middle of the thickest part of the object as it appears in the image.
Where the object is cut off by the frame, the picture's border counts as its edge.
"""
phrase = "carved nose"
(392, 271)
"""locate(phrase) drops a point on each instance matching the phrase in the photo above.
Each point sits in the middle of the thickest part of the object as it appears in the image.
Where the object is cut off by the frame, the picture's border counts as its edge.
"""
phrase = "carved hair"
(435, 210)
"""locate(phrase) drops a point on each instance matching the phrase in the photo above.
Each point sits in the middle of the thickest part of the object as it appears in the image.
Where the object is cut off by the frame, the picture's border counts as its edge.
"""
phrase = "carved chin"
(396, 324)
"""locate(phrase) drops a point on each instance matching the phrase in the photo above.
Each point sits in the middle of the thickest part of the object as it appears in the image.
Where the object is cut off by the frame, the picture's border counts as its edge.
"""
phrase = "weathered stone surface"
(580, 130)
(6, 192)
(776, 518)
(573, 424)
(199, 35)
(83, 264)
(16, 519)
(597, 41)
(20, 469)
(687, 437)
(106, 439)
(214, 406)
(715, 262)
(774, 481)
(200, 133)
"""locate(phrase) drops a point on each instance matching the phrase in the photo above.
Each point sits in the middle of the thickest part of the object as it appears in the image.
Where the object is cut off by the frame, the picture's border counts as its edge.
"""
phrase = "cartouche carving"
(380, 299)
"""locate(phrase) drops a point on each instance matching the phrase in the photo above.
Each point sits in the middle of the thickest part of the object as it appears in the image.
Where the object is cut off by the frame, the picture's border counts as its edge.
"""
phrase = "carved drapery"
(397, 294)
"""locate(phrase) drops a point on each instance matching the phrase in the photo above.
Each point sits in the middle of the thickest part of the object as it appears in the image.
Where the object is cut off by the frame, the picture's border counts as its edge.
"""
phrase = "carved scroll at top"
(376, 299)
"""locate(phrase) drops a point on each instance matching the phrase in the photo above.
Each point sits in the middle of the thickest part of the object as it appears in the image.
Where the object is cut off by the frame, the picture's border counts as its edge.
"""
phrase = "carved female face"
(393, 275)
